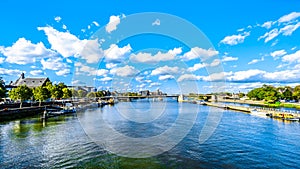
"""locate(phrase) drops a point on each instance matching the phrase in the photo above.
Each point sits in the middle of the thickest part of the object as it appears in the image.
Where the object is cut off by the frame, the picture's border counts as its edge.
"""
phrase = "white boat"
(256, 112)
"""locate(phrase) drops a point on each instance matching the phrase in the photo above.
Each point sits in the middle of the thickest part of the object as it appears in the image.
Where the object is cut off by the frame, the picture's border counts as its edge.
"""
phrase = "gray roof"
(31, 82)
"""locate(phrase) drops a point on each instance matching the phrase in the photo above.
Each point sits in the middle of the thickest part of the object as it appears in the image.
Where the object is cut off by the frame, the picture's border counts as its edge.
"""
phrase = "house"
(31, 82)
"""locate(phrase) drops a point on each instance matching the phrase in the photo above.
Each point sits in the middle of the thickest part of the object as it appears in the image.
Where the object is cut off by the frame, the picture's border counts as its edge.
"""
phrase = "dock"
(289, 115)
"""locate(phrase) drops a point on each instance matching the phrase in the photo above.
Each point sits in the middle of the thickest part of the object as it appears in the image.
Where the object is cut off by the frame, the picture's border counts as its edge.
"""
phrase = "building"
(31, 82)
(145, 93)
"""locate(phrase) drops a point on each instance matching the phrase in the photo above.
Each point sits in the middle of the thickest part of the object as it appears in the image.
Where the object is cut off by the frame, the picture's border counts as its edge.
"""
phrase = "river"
(94, 139)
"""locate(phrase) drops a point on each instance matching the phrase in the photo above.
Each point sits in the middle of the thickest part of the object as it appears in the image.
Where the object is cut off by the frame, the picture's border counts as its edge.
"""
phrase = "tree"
(296, 93)
(91, 95)
(74, 93)
(267, 93)
(20, 93)
(2, 89)
(41, 94)
(67, 93)
(81, 93)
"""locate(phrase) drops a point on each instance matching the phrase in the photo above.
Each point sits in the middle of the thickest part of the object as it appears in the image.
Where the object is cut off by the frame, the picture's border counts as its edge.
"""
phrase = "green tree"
(41, 94)
(81, 93)
(74, 93)
(67, 93)
(91, 95)
(296, 93)
(21, 93)
(2, 89)
(266, 92)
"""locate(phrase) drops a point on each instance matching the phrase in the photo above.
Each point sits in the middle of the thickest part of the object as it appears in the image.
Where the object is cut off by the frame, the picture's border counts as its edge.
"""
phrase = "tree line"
(272, 94)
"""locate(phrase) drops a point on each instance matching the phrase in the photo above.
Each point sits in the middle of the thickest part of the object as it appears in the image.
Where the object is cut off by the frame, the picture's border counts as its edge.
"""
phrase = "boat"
(285, 116)
(256, 112)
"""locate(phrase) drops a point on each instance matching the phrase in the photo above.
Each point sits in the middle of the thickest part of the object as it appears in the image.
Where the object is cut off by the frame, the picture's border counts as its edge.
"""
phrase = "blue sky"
(246, 44)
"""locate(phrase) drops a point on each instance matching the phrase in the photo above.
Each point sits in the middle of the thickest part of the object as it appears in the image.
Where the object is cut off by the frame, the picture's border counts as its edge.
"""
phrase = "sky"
(175, 46)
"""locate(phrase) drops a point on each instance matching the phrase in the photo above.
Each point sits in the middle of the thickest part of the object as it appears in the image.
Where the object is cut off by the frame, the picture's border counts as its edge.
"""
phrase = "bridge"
(130, 98)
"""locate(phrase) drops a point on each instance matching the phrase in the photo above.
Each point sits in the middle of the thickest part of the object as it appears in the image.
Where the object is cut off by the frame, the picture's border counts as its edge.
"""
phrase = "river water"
(235, 139)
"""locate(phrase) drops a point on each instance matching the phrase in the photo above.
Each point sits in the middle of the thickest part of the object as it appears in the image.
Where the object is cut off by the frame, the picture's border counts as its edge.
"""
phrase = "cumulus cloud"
(235, 39)
(267, 25)
(248, 75)
(105, 79)
(215, 77)
(126, 71)
(53, 64)
(229, 58)
(196, 67)
(57, 18)
(114, 21)
(154, 84)
(256, 61)
(294, 57)
(165, 70)
(116, 54)
(24, 52)
(278, 53)
(10, 72)
(215, 62)
(110, 65)
(63, 72)
(158, 57)
(197, 53)
(37, 72)
(92, 52)
(1, 59)
(289, 29)
(166, 77)
(90, 71)
(188, 77)
(270, 35)
(64, 43)
(289, 17)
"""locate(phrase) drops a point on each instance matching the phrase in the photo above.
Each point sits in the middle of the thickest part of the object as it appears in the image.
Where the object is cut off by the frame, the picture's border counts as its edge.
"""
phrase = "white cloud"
(126, 71)
(229, 58)
(110, 65)
(245, 75)
(270, 35)
(10, 72)
(91, 52)
(267, 25)
(116, 54)
(165, 70)
(1, 59)
(64, 27)
(154, 84)
(197, 52)
(64, 43)
(37, 72)
(156, 22)
(114, 21)
(215, 77)
(57, 18)
(196, 67)
(256, 61)
(294, 57)
(96, 23)
(235, 39)
(215, 62)
(289, 17)
(166, 77)
(90, 71)
(63, 72)
(106, 79)
(24, 52)
(53, 64)
(289, 29)
(188, 77)
(158, 57)
(278, 53)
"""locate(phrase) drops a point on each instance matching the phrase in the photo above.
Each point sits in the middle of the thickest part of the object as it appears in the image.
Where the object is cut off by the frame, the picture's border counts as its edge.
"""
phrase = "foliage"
(41, 94)
(21, 93)
(2, 89)
(91, 94)
(81, 93)
(266, 92)
(74, 93)
(67, 93)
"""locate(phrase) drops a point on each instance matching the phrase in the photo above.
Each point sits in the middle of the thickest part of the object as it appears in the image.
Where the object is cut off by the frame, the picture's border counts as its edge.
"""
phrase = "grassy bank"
(286, 105)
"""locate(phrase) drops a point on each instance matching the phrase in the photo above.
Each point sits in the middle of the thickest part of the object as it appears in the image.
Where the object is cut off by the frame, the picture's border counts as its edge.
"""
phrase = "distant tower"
(22, 75)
